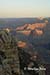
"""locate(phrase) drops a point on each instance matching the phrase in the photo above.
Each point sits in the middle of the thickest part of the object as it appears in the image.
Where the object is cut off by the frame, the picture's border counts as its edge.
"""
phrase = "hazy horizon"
(24, 8)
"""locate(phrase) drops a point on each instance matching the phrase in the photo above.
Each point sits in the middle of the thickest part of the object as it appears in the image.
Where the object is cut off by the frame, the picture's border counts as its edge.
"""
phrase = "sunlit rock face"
(25, 32)
(31, 26)
(22, 27)
(27, 28)
(38, 32)
(21, 44)
(36, 25)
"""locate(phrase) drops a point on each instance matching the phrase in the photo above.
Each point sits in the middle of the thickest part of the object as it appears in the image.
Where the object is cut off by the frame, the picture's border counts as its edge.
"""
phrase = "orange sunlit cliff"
(27, 28)
(21, 44)
(38, 32)
(36, 25)
(25, 32)
(31, 26)
(22, 27)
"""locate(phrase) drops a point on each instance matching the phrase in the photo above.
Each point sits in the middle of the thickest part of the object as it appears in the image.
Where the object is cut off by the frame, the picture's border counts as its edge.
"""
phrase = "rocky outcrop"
(22, 27)
(25, 32)
(38, 32)
(22, 44)
(37, 29)
(31, 26)
(36, 25)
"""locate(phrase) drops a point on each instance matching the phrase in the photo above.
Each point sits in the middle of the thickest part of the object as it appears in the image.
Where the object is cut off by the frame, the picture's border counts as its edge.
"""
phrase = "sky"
(24, 8)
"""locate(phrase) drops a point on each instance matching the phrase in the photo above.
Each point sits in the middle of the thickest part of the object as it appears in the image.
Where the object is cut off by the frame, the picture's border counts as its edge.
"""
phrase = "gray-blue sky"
(24, 8)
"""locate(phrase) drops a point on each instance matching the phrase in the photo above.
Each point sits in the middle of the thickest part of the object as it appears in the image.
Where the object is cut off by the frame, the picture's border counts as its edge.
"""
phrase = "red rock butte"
(31, 26)
(36, 25)
(27, 28)
(38, 32)
(21, 44)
